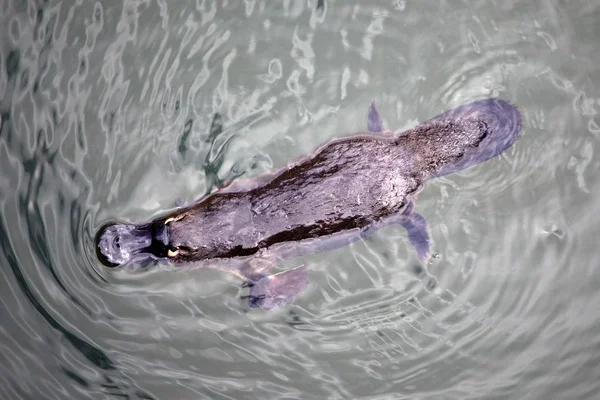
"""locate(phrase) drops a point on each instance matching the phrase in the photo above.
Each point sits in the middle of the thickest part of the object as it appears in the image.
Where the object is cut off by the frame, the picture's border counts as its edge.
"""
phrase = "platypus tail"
(504, 126)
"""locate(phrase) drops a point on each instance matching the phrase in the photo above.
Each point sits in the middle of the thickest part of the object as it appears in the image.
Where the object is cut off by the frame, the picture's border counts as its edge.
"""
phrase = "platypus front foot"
(279, 289)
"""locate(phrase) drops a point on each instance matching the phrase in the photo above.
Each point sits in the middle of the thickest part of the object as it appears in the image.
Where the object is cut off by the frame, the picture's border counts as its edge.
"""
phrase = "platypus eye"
(175, 251)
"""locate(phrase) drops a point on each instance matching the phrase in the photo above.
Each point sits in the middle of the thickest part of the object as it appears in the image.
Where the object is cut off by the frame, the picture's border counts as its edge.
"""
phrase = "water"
(106, 109)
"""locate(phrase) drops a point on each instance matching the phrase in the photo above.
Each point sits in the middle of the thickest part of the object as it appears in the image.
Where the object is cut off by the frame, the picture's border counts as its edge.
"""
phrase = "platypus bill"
(344, 191)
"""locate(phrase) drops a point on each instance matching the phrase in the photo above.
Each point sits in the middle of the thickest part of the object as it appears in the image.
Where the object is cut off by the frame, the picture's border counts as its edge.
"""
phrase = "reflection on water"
(106, 112)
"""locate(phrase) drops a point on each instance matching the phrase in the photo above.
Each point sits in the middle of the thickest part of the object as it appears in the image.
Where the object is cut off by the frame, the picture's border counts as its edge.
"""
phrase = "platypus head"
(120, 244)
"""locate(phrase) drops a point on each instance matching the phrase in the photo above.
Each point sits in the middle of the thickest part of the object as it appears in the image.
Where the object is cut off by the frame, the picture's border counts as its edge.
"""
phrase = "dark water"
(105, 110)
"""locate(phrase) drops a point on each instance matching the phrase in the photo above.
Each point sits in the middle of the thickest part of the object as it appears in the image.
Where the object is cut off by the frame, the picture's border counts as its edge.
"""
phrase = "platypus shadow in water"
(344, 191)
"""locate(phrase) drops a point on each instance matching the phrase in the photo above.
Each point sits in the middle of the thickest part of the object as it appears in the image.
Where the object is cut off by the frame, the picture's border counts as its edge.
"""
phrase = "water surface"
(105, 113)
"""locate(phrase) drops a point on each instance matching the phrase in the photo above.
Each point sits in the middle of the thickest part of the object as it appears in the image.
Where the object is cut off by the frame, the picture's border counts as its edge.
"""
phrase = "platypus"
(347, 189)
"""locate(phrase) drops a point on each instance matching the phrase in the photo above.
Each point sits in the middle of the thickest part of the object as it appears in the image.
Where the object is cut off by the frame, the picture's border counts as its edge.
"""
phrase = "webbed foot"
(374, 123)
(416, 226)
(278, 289)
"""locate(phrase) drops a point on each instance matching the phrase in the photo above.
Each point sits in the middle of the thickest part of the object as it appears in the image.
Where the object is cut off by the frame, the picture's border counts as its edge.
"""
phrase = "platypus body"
(347, 189)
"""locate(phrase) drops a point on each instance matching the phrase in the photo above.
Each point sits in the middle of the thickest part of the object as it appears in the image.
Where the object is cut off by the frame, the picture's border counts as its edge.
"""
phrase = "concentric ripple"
(107, 111)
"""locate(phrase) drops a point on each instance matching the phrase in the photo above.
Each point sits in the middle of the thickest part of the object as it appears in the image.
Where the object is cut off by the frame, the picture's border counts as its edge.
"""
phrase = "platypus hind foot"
(416, 226)
(278, 289)
(374, 122)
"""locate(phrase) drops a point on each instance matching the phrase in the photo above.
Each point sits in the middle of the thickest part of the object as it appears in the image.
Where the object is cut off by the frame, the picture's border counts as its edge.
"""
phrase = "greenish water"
(105, 113)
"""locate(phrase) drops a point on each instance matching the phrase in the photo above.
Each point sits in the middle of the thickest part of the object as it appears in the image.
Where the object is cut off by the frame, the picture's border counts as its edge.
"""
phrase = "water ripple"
(124, 110)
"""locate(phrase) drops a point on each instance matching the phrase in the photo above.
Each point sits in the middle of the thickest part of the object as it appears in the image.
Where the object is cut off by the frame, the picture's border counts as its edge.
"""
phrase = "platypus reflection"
(347, 189)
